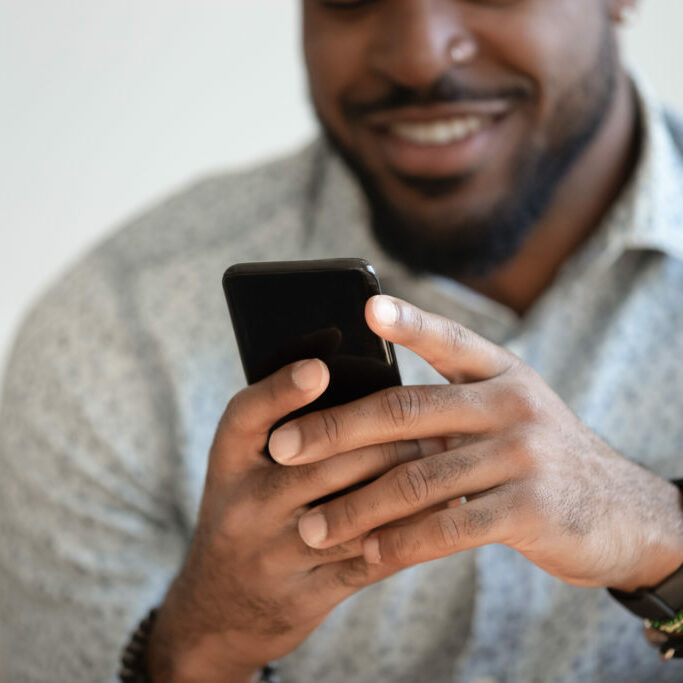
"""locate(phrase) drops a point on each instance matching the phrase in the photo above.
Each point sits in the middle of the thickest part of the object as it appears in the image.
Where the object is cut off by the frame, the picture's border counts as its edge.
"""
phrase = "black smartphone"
(290, 310)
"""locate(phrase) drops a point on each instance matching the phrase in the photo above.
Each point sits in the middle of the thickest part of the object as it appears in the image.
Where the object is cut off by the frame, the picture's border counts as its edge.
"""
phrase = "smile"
(440, 132)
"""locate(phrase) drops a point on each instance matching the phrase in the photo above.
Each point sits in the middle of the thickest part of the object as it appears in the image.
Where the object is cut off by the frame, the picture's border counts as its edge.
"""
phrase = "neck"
(597, 179)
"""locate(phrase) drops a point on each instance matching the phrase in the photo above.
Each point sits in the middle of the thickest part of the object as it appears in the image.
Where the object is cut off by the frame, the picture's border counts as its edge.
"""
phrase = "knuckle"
(234, 414)
(402, 406)
(456, 335)
(522, 401)
(525, 449)
(418, 322)
(353, 574)
(471, 397)
(350, 512)
(318, 474)
(330, 425)
(457, 465)
(448, 532)
(394, 453)
(479, 521)
(233, 525)
(390, 456)
(397, 550)
(272, 483)
(301, 476)
(336, 552)
(412, 484)
(274, 387)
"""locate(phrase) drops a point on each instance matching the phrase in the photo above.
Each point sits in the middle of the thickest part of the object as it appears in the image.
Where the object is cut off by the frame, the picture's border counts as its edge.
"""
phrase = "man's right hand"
(251, 590)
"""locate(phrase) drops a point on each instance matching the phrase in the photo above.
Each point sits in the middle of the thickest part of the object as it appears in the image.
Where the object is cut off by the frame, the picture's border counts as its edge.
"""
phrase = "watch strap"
(661, 603)
(661, 609)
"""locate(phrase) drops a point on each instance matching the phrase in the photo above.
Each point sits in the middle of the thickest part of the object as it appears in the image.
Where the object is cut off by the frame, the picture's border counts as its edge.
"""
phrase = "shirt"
(120, 373)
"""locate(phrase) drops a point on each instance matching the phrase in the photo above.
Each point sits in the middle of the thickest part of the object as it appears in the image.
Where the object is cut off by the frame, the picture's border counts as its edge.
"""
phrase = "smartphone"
(286, 311)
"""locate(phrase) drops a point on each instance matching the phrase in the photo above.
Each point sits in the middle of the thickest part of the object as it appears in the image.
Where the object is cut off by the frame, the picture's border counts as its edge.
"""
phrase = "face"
(460, 118)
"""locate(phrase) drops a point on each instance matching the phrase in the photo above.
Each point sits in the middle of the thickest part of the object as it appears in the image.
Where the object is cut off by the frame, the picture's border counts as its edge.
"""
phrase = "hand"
(535, 478)
(251, 591)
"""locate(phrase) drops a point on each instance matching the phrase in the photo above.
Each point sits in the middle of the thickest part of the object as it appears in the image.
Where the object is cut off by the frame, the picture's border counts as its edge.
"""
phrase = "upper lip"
(493, 108)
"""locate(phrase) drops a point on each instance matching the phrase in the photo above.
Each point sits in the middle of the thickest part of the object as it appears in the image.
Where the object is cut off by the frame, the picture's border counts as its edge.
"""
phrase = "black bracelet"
(133, 665)
(269, 674)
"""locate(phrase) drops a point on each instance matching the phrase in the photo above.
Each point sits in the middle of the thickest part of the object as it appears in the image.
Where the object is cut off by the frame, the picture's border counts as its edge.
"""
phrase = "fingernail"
(313, 528)
(307, 374)
(285, 443)
(385, 311)
(455, 502)
(371, 550)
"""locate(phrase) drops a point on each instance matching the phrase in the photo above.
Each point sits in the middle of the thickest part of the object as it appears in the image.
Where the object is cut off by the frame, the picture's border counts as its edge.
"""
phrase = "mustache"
(448, 89)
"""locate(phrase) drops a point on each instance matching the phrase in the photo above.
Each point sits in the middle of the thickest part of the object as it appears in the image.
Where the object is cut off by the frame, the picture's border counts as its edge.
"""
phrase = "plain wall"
(107, 106)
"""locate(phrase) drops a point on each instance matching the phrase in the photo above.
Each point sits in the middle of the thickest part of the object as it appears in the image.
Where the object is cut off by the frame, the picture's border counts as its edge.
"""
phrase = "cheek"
(333, 62)
(553, 43)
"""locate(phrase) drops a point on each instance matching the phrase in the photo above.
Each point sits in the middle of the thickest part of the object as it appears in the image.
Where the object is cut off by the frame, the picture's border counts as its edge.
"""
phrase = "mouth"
(448, 141)
(440, 132)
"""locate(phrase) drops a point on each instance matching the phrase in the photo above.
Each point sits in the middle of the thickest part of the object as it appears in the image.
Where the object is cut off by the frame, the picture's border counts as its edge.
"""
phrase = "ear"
(621, 11)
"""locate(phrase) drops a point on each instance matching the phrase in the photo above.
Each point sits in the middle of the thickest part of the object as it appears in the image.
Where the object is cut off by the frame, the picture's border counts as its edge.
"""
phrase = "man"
(512, 180)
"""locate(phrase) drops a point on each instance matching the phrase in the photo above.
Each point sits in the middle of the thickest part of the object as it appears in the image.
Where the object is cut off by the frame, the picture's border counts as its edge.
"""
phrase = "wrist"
(661, 562)
(176, 654)
(663, 555)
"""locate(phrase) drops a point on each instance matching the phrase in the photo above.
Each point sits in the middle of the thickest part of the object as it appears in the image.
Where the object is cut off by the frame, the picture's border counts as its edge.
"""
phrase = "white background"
(105, 106)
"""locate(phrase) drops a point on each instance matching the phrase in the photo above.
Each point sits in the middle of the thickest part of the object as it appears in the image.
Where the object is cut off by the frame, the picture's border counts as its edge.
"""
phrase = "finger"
(244, 426)
(411, 519)
(309, 558)
(487, 519)
(406, 490)
(339, 580)
(394, 414)
(342, 471)
(287, 553)
(454, 351)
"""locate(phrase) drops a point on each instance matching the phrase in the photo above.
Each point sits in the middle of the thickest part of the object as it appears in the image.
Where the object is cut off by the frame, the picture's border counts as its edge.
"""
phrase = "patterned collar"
(649, 212)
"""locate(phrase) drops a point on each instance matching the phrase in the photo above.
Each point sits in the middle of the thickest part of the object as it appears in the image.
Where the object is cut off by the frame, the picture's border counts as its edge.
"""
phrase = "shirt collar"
(648, 215)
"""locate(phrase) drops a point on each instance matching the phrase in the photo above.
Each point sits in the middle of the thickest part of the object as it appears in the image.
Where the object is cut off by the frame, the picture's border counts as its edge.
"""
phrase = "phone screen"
(287, 311)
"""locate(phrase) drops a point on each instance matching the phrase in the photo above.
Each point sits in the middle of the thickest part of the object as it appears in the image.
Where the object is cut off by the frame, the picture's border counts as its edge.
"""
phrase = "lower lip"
(434, 161)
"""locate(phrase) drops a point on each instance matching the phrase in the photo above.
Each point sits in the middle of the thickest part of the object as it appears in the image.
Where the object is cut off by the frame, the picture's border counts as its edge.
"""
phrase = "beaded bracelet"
(674, 625)
(666, 636)
(669, 646)
(133, 666)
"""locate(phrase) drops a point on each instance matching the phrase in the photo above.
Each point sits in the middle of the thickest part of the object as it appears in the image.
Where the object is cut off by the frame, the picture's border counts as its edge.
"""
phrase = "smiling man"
(520, 196)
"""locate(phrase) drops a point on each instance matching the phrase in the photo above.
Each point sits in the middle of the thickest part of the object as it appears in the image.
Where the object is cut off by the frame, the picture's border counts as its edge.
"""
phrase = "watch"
(661, 609)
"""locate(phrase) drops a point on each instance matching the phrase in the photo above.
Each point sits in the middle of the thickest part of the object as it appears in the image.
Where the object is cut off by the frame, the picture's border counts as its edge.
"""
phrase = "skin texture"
(535, 478)
(263, 569)
(251, 590)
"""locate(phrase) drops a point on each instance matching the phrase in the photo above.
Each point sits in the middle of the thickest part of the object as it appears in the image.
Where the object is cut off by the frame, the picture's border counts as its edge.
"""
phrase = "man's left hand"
(534, 476)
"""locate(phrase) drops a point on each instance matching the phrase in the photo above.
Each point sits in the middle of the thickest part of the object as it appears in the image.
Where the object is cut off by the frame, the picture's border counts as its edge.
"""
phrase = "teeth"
(439, 132)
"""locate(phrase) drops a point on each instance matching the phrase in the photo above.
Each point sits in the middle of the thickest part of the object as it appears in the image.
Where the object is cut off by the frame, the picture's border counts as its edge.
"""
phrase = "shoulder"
(93, 310)
(674, 123)
(215, 212)
(219, 208)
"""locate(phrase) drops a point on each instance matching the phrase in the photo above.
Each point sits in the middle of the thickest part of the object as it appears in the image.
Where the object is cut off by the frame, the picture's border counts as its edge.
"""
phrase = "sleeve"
(89, 534)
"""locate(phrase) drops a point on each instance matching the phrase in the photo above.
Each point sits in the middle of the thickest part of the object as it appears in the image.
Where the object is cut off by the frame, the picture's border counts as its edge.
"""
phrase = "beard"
(462, 246)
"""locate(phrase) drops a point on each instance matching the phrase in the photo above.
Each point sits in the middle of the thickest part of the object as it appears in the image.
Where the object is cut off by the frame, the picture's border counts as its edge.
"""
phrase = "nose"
(420, 40)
